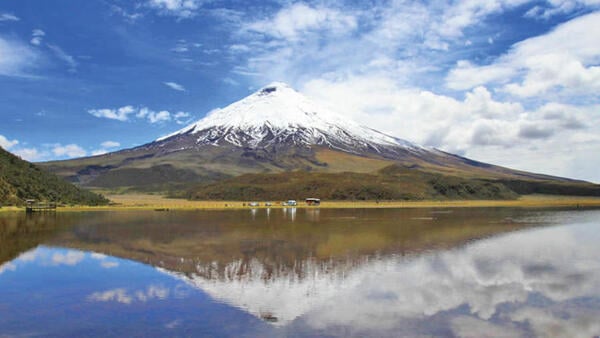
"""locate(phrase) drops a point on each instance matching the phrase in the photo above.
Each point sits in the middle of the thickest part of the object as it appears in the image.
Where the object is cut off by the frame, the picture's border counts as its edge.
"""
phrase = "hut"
(313, 201)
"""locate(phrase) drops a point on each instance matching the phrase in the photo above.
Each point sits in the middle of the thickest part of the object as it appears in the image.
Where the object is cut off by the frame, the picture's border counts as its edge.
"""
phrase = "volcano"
(277, 135)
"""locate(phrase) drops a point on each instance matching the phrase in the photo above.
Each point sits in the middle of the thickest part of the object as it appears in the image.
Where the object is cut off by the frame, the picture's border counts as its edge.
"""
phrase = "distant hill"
(390, 183)
(20, 180)
(276, 134)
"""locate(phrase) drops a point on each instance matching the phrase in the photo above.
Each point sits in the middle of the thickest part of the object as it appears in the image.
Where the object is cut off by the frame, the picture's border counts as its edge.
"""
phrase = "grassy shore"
(157, 202)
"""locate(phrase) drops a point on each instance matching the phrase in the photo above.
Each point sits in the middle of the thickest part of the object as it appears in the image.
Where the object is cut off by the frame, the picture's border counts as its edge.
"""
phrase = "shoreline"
(159, 203)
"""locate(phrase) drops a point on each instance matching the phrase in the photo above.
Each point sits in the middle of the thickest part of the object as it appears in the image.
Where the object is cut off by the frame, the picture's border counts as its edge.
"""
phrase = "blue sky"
(512, 82)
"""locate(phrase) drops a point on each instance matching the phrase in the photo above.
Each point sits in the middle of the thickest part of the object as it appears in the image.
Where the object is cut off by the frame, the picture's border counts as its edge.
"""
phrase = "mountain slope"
(278, 130)
(20, 180)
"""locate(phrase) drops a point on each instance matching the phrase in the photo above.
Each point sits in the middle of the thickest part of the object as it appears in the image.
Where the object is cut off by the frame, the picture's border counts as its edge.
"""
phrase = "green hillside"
(21, 180)
(394, 182)
(391, 183)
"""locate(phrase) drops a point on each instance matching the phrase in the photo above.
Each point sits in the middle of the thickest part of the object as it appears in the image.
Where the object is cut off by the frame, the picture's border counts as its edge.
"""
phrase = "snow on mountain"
(278, 114)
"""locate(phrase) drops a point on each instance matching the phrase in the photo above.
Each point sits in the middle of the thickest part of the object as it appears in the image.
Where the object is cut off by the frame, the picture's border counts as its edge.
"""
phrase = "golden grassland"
(160, 203)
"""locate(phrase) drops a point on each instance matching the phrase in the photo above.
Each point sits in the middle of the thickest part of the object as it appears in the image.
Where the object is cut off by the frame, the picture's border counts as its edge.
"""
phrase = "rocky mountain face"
(277, 130)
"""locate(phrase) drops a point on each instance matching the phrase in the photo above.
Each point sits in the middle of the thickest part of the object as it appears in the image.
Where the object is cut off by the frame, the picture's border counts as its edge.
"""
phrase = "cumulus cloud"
(182, 117)
(175, 86)
(119, 114)
(545, 139)
(7, 267)
(69, 150)
(6, 143)
(37, 36)
(563, 60)
(109, 265)
(29, 154)
(105, 147)
(126, 113)
(110, 144)
(71, 258)
(293, 21)
(153, 116)
(182, 9)
(16, 58)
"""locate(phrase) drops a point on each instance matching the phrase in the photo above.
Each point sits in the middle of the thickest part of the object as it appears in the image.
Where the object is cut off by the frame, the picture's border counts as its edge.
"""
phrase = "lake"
(457, 272)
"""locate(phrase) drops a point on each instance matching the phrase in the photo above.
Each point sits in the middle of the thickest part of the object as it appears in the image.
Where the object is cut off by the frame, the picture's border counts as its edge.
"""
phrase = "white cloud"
(8, 17)
(182, 9)
(153, 116)
(63, 56)
(120, 114)
(98, 152)
(6, 143)
(8, 266)
(16, 58)
(552, 8)
(126, 112)
(554, 138)
(109, 265)
(297, 19)
(566, 322)
(182, 117)
(29, 154)
(37, 36)
(564, 61)
(117, 295)
(121, 295)
(110, 144)
(130, 17)
(105, 147)
(175, 86)
(71, 258)
(98, 256)
(69, 150)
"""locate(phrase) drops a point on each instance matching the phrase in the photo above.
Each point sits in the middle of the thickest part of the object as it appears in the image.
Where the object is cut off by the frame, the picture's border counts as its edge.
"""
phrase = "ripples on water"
(305, 272)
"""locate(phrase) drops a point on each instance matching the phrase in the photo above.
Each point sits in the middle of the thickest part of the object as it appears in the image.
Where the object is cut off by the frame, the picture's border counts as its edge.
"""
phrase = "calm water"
(397, 273)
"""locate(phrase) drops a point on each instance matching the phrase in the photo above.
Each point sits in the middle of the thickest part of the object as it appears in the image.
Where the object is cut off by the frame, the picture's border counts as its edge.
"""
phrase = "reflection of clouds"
(121, 295)
(104, 262)
(558, 264)
(173, 324)
(109, 265)
(28, 256)
(114, 295)
(71, 257)
(7, 267)
(98, 256)
(565, 322)
(482, 275)
(463, 327)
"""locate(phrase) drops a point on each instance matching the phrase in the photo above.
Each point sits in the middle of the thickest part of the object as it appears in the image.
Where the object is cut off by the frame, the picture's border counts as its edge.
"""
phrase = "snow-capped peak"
(278, 113)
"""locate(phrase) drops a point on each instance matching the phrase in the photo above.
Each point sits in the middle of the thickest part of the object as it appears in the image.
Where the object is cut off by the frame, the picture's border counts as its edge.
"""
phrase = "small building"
(313, 201)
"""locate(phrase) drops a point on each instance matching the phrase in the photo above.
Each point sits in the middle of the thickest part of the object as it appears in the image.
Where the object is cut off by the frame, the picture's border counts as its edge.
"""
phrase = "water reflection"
(496, 272)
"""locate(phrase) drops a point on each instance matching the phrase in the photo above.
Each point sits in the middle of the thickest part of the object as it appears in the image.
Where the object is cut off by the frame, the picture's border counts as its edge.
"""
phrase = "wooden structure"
(313, 201)
(34, 206)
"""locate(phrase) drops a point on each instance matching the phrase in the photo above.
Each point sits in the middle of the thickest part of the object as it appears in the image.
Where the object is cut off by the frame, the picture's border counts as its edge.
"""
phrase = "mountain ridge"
(272, 131)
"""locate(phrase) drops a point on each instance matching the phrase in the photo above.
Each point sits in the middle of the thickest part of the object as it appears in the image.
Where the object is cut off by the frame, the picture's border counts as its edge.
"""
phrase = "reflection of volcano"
(275, 296)
(383, 293)
(353, 272)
